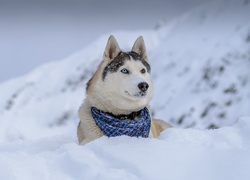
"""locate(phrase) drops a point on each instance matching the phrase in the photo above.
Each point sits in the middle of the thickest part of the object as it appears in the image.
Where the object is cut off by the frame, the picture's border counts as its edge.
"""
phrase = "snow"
(177, 154)
(200, 67)
(206, 64)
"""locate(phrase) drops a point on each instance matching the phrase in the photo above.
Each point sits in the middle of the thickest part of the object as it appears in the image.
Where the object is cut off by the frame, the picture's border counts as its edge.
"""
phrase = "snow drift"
(178, 154)
(200, 64)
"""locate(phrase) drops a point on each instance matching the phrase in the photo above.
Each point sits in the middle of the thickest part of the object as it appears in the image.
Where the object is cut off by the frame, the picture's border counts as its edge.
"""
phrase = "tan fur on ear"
(140, 48)
(112, 49)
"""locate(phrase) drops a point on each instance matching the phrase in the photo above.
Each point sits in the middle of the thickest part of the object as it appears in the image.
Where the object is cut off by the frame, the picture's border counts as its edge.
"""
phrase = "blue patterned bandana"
(113, 126)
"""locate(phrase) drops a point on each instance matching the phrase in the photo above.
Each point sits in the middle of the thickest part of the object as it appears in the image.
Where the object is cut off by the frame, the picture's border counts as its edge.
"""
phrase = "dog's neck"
(107, 107)
(131, 116)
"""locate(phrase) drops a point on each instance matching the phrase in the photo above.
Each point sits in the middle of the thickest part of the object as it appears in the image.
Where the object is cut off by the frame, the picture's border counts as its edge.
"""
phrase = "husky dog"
(117, 96)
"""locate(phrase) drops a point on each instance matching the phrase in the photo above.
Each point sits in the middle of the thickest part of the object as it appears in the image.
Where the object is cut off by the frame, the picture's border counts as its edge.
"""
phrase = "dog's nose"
(143, 86)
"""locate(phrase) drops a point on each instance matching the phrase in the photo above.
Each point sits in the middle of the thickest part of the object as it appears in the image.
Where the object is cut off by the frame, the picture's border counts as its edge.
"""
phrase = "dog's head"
(122, 82)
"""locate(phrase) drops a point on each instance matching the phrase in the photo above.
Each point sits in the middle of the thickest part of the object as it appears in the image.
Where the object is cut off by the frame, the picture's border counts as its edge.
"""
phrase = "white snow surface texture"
(201, 72)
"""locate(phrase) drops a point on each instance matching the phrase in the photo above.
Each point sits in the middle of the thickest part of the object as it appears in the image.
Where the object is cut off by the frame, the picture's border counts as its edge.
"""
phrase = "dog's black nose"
(143, 86)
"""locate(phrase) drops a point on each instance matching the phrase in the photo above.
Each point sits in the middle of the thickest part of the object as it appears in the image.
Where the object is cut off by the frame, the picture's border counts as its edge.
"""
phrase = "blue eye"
(124, 71)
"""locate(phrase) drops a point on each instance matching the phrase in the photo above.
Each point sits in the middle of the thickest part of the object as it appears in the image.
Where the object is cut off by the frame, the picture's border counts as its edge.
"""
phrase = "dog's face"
(130, 82)
(123, 79)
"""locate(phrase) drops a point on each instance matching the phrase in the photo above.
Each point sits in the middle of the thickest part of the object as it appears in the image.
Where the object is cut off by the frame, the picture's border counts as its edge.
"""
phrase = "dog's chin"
(136, 96)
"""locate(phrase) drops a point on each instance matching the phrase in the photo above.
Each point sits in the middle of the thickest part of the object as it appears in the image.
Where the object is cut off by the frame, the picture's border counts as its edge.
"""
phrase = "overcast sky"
(33, 32)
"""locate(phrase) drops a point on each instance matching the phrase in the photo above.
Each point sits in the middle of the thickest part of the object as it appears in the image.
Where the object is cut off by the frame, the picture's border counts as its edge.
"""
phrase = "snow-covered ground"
(178, 154)
(201, 71)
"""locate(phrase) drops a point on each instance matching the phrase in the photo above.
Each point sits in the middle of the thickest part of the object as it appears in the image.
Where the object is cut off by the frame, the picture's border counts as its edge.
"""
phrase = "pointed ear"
(140, 48)
(112, 49)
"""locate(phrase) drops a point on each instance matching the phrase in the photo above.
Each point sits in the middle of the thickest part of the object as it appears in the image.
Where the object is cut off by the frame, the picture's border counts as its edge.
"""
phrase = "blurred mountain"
(200, 67)
(203, 66)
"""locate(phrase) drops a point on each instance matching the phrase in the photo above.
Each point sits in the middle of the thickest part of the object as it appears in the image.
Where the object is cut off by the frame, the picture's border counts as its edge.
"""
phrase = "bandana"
(112, 125)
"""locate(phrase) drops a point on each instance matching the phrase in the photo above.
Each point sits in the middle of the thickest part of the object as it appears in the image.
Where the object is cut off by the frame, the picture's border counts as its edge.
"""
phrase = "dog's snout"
(143, 86)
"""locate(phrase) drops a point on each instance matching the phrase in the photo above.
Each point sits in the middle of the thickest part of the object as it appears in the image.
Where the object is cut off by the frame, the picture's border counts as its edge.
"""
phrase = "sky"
(33, 32)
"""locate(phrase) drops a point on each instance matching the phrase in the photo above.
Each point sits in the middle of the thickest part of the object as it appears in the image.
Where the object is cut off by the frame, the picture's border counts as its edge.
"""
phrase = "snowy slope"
(201, 71)
(200, 66)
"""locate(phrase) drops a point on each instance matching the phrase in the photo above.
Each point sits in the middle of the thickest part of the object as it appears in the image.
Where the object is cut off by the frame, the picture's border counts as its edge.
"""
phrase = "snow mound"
(178, 154)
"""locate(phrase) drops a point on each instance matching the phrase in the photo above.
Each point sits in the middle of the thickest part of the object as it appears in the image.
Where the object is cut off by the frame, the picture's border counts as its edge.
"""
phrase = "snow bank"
(178, 154)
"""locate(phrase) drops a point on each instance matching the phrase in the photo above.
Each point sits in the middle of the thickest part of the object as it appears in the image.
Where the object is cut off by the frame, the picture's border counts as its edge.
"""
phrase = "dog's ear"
(140, 48)
(112, 49)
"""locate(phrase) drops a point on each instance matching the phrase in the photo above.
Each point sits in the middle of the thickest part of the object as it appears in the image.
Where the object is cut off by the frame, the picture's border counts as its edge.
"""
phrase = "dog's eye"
(124, 71)
(143, 71)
